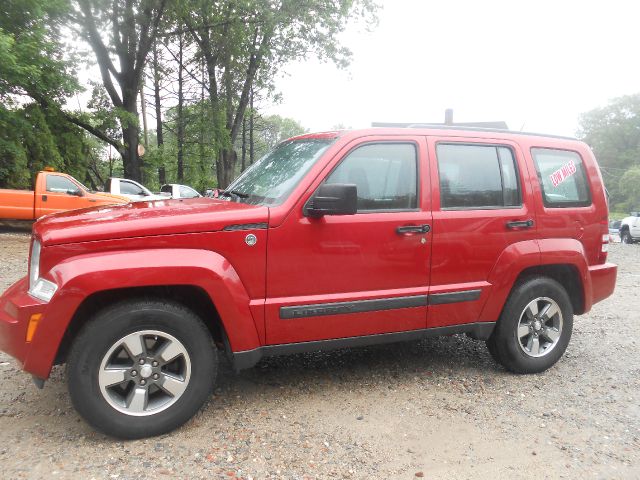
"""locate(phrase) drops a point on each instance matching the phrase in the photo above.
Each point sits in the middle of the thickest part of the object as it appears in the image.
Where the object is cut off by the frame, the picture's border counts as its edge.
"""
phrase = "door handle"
(403, 230)
(44, 198)
(520, 224)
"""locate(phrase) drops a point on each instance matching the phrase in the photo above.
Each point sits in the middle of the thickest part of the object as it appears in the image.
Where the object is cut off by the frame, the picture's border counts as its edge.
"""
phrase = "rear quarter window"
(562, 177)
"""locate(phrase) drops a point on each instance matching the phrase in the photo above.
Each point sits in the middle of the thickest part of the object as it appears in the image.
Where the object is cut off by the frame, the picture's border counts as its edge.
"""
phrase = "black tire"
(493, 349)
(625, 237)
(195, 370)
(516, 353)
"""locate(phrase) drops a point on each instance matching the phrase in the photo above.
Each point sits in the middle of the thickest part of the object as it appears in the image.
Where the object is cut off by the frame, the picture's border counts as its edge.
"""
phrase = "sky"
(535, 64)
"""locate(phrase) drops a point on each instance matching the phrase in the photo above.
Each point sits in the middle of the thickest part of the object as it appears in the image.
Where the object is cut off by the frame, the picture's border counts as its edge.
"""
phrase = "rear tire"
(534, 328)
(141, 368)
(625, 237)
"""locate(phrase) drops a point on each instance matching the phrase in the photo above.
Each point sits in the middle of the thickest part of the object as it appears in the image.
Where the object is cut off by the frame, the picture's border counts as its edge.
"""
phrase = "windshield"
(271, 179)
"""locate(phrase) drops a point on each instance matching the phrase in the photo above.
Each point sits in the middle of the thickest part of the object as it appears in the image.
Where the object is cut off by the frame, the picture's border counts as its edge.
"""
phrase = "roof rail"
(440, 126)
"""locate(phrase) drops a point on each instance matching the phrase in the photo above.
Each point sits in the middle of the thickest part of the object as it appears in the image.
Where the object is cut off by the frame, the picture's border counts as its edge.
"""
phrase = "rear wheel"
(141, 368)
(625, 237)
(534, 328)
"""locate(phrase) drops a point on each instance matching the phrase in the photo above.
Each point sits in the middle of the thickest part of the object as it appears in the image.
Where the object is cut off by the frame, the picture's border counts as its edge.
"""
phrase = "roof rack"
(440, 126)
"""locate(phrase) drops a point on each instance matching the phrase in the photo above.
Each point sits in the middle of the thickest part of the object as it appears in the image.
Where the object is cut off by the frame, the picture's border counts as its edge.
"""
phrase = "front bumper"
(16, 307)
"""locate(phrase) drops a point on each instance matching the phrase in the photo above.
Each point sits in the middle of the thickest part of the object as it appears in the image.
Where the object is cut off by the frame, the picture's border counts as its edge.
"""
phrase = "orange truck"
(54, 192)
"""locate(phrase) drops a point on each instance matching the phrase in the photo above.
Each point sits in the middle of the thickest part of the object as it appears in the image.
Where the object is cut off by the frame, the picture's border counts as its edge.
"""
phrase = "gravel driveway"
(437, 408)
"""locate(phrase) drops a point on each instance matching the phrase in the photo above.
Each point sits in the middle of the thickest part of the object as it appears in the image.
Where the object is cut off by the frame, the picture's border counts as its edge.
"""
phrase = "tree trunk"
(244, 145)
(180, 133)
(143, 107)
(156, 94)
(251, 127)
(130, 134)
(226, 167)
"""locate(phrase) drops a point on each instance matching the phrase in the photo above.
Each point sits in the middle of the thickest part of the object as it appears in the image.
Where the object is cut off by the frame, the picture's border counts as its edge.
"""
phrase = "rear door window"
(562, 178)
(477, 176)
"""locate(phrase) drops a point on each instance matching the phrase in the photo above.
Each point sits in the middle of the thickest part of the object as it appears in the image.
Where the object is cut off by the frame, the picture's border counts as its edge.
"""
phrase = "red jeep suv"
(332, 240)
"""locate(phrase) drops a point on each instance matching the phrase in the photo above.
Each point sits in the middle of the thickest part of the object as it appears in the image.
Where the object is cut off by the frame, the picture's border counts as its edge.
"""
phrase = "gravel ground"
(437, 408)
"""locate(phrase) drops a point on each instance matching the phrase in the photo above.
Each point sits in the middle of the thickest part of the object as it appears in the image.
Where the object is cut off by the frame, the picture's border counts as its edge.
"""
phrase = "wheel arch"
(201, 279)
(561, 259)
(190, 296)
(567, 275)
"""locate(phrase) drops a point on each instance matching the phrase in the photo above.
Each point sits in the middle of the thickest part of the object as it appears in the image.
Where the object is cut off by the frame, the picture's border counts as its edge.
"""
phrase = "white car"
(175, 190)
(132, 190)
(630, 228)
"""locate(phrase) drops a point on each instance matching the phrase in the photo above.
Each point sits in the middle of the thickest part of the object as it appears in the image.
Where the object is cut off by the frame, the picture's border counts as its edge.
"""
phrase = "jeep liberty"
(332, 240)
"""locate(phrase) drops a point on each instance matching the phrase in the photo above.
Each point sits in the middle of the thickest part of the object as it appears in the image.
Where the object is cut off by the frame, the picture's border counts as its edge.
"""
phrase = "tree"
(630, 187)
(33, 63)
(613, 132)
(244, 43)
(268, 131)
(36, 76)
(133, 27)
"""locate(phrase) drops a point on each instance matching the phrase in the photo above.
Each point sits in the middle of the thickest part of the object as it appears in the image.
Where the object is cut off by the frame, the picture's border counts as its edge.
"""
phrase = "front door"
(61, 193)
(352, 275)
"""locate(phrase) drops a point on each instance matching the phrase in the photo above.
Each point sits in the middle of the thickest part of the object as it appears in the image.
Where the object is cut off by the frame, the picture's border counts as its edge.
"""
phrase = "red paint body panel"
(146, 219)
(301, 261)
(350, 258)
(468, 242)
(84, 275)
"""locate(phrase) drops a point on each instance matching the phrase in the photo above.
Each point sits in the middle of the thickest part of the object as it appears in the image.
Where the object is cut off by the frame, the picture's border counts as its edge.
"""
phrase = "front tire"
(141, 368)
(625, 237)
(534, 328)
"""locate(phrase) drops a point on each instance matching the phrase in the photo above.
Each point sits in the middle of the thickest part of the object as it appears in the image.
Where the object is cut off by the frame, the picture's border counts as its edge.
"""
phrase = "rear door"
(481, 204)
(354, 275)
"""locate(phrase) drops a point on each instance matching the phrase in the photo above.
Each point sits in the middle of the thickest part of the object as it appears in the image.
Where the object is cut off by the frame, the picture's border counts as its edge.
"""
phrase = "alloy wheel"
(144, 373)
(539, 327)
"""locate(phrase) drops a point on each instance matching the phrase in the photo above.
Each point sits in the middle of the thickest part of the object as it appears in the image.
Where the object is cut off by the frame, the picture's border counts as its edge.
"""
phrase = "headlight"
(39, 287)
(34, 264)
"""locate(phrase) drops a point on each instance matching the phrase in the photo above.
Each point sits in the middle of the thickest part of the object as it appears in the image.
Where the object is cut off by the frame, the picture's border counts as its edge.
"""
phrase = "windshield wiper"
(234, 192)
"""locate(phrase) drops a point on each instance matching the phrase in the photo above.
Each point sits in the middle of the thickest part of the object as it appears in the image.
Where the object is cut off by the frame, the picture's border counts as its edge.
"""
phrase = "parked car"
(614, 230)
(630, 228)
(131, 189)
(332, 240)
(53, 192)
(175, 190)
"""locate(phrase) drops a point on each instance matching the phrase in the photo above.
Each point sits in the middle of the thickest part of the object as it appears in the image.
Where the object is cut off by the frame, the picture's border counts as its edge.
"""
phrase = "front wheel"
(534, 328)
(625, 237)
(141, 368)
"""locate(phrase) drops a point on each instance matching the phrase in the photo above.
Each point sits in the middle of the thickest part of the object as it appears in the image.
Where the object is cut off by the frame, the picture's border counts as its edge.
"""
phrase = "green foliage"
(232, 50)
(271, 130)
(613, 132)
(630, 186)
(32, 60)
(245, 43)
(31, 139)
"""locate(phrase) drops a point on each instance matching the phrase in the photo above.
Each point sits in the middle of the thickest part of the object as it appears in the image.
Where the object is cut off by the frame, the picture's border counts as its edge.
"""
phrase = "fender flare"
(519, 256)
(79, 277)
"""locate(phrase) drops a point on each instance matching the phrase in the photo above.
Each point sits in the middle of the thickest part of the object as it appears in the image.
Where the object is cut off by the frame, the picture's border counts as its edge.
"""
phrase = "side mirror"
(333, 199)
(75, 193)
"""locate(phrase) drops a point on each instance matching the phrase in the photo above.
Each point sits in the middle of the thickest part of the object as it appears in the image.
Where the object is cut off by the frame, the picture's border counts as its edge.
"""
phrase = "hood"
(140, 219)
(108, 197)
